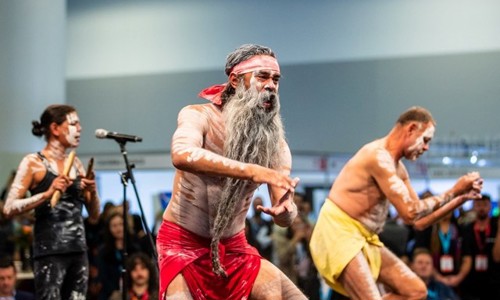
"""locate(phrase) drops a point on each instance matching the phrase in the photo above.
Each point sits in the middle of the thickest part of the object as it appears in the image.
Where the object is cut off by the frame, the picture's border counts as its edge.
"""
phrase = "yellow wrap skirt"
(336, 239)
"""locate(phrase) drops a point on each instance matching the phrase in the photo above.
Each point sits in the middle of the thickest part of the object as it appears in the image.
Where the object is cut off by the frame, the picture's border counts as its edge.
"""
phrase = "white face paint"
(417, 149)
(254, 83)
(262, 79)
(73, 135)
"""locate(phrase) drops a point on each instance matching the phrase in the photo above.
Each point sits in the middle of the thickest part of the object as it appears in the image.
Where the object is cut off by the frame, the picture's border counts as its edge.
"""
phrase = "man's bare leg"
(178, 289)
(272, 284)
(357, 280)
(402, 282)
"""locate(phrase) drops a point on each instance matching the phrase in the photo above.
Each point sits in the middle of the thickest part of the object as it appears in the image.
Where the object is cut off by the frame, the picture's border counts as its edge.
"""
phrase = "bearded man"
(223, 151)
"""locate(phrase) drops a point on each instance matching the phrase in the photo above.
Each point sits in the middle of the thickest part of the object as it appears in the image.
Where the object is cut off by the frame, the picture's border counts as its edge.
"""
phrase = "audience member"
(261, 230)
(444, 241)
(483, 280)
(110, 256)
(423, 266)
(141, 278)
(395, 236)
(134, 222)
(284, 251)
(15, 240)
(305, 208)
(306, 273)
(5, 189)
(249, 235)
(496, 245)
(280, 238)
(8, 281)
(108, 208)
(291, 249)
(7, 245)
(465, 216)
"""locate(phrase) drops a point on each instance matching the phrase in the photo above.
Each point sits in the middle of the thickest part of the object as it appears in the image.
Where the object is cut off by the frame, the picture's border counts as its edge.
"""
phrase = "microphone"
(119, 137)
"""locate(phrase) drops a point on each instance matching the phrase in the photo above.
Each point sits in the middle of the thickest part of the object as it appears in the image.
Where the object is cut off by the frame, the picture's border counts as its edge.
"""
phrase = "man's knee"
(180, 295)
(420, 291)
(416, 290)
(271, 283)
(178, 289)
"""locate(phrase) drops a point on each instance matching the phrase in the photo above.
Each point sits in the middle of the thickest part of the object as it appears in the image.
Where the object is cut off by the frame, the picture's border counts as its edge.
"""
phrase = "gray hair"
(240, 54)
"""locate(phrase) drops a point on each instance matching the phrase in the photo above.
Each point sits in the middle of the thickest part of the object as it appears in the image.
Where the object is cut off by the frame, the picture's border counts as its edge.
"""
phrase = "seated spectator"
(305, 209)
(7, 246)
(141, 278)
(483, 280)
(423, 266)
(110, 256)
(249, 235)
(307, 275)
(444, 240)
(395, 236)
(8, 282)
(261, 230)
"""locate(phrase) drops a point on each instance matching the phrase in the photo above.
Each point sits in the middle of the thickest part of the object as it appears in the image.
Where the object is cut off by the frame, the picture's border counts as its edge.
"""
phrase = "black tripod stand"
(125, 177)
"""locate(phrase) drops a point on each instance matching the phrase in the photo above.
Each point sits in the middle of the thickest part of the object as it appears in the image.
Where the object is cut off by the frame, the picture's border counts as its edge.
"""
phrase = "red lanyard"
(134, 296)
(481, 243)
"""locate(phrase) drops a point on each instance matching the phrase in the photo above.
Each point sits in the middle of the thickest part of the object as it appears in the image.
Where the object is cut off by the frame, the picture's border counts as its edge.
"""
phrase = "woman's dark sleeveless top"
(58, 229)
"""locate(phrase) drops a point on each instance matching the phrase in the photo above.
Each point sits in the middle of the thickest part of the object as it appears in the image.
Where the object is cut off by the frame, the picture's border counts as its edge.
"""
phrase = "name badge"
(481, 262)
(446, 263)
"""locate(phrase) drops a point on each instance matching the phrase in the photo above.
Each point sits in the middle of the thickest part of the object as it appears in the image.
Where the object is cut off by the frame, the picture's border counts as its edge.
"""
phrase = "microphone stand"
(125, 177)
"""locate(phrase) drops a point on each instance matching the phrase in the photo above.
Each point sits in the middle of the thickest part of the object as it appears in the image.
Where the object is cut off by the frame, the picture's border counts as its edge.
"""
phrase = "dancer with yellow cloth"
(352, 235)
(345, 246)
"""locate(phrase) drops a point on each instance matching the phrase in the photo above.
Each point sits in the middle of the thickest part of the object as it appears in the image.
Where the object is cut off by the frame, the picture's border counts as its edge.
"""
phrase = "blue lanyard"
(445, 240)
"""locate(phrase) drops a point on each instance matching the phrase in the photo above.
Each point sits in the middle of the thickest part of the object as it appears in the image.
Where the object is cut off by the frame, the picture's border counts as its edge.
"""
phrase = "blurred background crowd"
(457, 257)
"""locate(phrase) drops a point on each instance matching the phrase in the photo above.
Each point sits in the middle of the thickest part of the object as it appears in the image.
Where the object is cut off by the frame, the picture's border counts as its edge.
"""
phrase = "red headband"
(255, 63)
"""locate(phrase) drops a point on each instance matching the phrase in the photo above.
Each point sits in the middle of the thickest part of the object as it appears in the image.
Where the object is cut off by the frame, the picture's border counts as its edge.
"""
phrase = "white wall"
(117, 37)
(32, 72)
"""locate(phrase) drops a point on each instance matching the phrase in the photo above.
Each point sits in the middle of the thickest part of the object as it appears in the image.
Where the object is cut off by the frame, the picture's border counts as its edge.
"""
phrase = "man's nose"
(270, 86)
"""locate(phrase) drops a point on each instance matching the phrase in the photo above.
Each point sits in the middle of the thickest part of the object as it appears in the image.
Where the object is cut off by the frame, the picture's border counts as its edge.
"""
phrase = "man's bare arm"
(401, 194)
(189, 155)
(434, 216)
(283, 208)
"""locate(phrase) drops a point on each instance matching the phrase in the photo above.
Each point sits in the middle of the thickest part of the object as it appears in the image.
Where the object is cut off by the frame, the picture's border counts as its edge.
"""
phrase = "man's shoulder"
(200, 109)
(200, 106)
(22, 295)
(371, 152)
(370, 148)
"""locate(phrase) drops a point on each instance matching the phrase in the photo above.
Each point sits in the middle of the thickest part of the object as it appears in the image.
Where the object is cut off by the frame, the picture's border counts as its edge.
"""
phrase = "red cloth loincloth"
(180, 250)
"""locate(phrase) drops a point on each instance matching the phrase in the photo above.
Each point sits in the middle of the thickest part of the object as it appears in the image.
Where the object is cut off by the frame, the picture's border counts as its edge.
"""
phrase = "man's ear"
(413, 127)
(233, 80)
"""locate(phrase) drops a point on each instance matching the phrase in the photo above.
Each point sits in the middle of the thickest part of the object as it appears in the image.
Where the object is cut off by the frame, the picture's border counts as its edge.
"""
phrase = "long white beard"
(254, 134)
